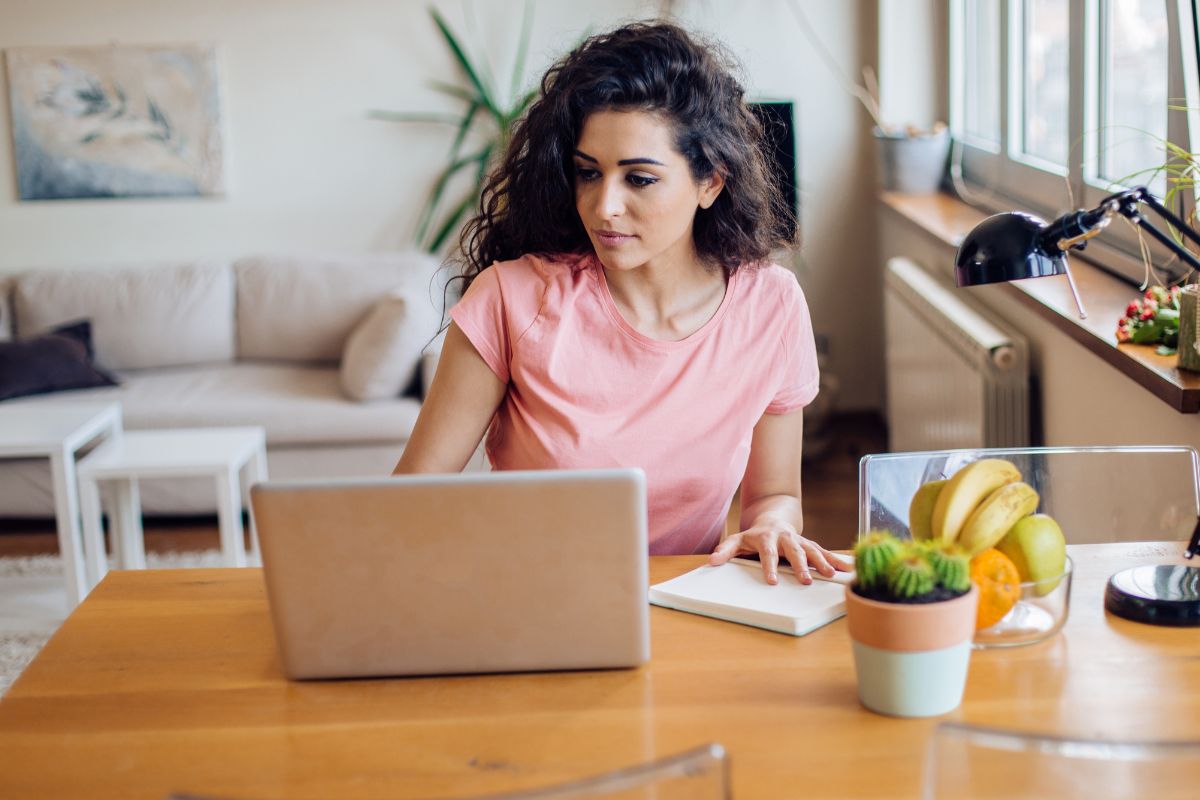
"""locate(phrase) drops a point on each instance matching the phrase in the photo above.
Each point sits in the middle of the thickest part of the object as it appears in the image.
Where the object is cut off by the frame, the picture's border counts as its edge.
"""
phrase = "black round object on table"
(1159, 595)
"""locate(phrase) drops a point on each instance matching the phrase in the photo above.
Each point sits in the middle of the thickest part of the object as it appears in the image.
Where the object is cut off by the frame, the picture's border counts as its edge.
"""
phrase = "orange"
(999, 586)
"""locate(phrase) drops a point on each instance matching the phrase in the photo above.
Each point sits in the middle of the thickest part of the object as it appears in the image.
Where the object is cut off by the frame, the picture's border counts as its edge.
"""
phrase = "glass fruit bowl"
(1039, 613)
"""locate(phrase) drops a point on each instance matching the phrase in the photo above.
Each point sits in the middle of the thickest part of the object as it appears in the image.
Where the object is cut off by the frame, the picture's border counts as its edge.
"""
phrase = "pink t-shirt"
(587, 390)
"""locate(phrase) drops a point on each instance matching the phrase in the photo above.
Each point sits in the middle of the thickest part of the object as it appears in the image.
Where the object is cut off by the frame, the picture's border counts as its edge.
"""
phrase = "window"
(1132, 110)
(981, 68)
(1058, 103)
(1044, 84)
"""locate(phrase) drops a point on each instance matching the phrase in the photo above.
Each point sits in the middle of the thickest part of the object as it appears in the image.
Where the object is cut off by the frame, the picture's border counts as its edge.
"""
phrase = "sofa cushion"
(383, 353)
(303, 309)
(55, 361)
(296, 404)
(142, 317)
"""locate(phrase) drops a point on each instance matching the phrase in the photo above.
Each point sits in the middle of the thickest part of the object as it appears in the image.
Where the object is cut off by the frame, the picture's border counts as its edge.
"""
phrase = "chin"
(615, 260)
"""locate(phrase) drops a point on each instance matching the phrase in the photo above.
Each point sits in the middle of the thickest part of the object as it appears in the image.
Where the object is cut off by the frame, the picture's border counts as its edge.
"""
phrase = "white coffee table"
(59, 432)
(233, 457)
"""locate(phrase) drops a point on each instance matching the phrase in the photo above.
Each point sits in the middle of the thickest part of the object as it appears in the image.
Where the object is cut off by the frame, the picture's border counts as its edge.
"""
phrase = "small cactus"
(950, 565)
(872, 555)
(910, 575)
(900, 571)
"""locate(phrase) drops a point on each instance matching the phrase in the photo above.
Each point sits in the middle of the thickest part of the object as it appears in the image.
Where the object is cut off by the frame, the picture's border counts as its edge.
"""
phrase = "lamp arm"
(1126, 204)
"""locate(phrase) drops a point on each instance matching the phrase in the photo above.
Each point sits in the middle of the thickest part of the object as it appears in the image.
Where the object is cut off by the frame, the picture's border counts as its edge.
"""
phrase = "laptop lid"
(461, 573)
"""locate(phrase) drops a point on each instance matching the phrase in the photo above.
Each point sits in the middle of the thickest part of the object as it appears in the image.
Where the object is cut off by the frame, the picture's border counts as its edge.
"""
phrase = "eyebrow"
(624, 162)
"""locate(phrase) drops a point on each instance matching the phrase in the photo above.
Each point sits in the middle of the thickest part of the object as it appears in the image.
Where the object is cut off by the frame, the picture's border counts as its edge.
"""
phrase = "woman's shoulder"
(766, 279)
(537, 269)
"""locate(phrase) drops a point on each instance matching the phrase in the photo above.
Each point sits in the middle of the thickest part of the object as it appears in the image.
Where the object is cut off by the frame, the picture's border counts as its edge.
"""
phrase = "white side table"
(58, 432)
(233, 457)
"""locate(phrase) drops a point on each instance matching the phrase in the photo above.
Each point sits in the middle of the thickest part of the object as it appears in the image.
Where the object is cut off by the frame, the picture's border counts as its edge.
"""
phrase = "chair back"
(698, 774)
(968, 761)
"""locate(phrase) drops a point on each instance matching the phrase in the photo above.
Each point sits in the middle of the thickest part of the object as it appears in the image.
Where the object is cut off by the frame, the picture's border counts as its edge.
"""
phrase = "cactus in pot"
(911, 614)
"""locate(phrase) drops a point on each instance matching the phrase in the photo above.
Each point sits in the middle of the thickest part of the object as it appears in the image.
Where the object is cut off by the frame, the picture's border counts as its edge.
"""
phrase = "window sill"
(948, 220)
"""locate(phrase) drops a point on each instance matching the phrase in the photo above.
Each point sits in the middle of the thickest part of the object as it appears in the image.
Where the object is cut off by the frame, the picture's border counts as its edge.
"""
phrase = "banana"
(920, 511)
(996, 515)
(965, 490)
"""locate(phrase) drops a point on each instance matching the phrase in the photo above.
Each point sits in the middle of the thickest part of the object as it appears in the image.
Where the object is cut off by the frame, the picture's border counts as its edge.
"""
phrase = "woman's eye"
(586, 174)
(642, 180)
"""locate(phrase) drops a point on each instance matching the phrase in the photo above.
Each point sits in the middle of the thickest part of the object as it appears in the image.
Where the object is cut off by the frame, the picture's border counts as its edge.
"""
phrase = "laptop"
(453, 574)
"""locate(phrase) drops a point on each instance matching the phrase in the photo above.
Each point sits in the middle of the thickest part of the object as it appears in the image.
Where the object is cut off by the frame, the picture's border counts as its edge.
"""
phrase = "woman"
(618, 309)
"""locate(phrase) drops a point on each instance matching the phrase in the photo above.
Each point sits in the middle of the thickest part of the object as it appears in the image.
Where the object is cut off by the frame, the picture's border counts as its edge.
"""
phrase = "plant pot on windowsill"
(911, 160)
(911, 615)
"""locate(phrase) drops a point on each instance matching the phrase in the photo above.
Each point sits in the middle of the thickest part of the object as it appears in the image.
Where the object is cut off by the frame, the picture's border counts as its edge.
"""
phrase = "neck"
(667, 301)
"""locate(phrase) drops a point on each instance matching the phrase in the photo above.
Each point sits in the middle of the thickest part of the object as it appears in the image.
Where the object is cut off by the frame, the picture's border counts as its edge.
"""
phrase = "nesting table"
(59, 432)
(233, 458)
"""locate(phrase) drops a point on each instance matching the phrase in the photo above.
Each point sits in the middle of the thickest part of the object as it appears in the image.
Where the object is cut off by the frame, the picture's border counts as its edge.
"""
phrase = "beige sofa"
(329, 354)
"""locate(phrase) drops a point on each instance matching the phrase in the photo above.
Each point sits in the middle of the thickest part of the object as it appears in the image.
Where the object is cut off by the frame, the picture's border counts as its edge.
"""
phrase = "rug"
(33, 602)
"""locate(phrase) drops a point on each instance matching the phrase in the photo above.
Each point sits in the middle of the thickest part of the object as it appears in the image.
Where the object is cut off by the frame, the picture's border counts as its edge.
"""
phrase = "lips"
(612, 238)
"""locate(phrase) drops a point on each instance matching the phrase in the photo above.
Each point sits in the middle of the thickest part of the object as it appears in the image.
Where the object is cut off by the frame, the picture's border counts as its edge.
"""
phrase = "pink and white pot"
(911, 658)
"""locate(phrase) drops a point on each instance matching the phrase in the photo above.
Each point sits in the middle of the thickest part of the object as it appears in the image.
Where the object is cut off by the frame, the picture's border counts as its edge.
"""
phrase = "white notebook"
(738, 592)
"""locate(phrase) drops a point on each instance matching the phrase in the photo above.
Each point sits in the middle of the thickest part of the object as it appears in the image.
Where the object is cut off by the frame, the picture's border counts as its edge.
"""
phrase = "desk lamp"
(1013, 246)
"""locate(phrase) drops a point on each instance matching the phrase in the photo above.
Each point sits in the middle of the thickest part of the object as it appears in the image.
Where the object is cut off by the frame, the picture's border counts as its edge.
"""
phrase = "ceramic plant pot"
(912, 163)
(911, 659)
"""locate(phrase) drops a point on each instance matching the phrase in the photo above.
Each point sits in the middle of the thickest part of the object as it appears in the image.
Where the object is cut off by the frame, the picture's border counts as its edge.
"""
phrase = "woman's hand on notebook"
(773, 539)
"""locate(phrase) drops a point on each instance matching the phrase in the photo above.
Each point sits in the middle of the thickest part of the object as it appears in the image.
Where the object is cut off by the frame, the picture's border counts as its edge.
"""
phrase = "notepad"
(738, 592)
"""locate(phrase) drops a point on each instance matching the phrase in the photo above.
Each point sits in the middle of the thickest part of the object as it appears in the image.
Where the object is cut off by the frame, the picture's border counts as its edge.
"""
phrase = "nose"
(609, 200)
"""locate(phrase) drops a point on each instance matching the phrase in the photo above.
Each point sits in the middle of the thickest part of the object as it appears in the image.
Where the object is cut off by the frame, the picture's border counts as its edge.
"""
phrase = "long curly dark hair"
(528, 201)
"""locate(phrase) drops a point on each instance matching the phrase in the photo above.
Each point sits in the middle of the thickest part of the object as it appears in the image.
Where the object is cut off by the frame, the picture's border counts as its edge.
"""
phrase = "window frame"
(1000, 180)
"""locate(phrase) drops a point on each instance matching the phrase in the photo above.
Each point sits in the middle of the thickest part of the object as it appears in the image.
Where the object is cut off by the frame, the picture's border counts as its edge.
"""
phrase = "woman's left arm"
(772, 520)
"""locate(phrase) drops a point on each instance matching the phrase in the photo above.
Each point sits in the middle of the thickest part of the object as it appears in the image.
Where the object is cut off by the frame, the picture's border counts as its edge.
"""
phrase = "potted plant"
(911, 612)
(481, 131)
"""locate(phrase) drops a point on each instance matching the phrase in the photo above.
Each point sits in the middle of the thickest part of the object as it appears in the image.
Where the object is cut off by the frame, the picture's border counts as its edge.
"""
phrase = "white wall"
(307, 170)
(912, 55)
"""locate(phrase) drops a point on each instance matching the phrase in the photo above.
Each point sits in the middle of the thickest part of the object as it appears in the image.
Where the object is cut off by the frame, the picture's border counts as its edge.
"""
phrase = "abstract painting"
(115, 121)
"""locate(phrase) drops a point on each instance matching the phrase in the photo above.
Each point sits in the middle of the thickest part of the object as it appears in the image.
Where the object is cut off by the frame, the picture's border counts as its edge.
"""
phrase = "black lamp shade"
(1006, 247)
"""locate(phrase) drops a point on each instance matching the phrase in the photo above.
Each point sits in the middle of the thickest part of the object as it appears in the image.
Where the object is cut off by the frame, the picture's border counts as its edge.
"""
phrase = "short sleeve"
(799, 375)
(498, 307)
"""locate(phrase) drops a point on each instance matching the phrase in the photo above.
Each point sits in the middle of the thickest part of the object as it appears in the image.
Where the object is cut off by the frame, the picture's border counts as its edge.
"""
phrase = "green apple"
(1037, 548)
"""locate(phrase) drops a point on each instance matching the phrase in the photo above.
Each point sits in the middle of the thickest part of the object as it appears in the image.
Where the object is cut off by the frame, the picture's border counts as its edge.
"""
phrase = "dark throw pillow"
(60, 359)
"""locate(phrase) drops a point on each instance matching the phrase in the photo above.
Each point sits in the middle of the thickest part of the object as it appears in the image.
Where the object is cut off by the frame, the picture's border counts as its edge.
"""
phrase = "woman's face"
(635, 193)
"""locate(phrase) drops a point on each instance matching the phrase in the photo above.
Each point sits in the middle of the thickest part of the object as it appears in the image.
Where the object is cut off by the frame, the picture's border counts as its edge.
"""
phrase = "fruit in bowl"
(989, 512)
(1038, 549)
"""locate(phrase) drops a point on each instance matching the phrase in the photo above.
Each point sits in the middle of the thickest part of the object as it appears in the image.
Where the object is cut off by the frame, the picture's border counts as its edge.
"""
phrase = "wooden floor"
(830, 501)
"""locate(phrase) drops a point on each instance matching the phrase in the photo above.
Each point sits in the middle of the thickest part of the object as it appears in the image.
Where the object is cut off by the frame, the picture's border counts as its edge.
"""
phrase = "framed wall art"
(115, 121)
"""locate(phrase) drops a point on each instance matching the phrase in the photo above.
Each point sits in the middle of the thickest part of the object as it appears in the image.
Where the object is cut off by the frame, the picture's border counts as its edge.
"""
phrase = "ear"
(710, 188)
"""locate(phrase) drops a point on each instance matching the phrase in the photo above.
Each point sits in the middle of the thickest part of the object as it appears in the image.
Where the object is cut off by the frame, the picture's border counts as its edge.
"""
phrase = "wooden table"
(169, 681)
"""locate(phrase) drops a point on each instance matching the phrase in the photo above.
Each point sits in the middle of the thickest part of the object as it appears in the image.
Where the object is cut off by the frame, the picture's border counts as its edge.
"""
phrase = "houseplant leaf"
(522, 49)
(486, 96)
(486, 120)
(415, 116)
(439, 188)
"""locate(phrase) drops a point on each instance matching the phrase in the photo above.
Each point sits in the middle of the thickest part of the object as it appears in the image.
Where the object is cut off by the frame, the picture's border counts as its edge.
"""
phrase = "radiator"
(954, 377)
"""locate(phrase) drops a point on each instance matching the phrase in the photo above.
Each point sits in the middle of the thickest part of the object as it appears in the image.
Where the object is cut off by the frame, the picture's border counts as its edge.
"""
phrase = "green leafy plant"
(1180, 170)
(481, 135)
(902, 571)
